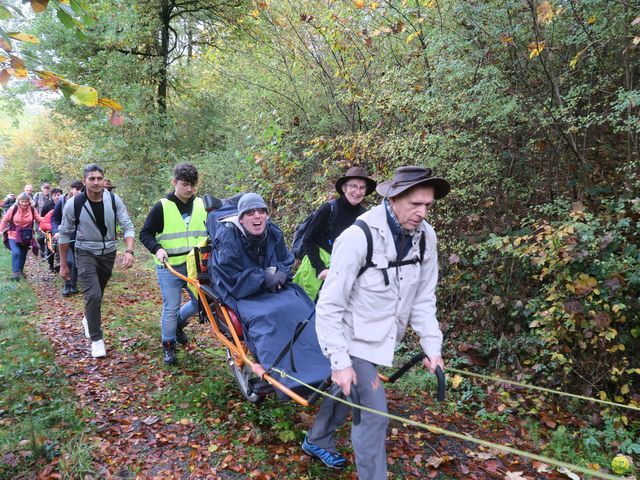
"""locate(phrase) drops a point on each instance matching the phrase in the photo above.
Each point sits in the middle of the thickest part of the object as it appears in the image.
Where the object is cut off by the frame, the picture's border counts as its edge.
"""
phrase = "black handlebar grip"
(402, 370)
(441, 383)
(326, 383)
(415, 359)
(354, 397)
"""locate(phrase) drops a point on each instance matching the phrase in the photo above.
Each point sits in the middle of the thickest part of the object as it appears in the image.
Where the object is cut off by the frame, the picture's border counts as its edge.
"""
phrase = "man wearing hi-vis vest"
(173, 227)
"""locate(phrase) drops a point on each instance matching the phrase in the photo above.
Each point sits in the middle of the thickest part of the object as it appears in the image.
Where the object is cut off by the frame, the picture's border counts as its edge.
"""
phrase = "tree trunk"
(166, 7)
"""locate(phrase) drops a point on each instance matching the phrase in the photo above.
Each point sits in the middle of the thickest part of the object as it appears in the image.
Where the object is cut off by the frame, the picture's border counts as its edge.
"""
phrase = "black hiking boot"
(169, 351)
(66, 290)
(181, 337)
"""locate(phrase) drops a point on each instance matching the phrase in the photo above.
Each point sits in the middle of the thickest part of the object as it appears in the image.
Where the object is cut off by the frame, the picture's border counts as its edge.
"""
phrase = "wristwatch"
(129, 251)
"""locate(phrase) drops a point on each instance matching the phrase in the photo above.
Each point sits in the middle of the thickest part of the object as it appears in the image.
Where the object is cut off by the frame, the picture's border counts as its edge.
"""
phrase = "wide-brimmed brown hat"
(356, 172)
(410, 176)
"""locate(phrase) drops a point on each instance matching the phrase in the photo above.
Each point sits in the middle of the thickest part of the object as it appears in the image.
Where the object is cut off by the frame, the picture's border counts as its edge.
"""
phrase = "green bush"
(572, 285)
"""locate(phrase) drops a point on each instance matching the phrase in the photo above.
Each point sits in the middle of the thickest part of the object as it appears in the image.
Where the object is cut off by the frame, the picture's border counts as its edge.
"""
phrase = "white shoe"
(86, 327)
(97, 349)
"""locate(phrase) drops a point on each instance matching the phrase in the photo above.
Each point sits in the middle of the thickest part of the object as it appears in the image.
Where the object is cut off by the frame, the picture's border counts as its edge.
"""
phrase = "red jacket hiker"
(23, 218)
(45, 224)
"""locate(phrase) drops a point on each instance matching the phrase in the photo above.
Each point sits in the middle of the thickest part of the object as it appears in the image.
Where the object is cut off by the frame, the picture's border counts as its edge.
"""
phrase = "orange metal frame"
(237, 349)
(49, 240)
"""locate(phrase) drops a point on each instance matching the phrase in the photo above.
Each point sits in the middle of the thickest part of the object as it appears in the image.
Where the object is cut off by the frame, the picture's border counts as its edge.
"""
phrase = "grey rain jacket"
(88, 237)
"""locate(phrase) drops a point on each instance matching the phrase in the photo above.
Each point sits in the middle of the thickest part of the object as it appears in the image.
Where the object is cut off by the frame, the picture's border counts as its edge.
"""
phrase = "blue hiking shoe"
(331, 460)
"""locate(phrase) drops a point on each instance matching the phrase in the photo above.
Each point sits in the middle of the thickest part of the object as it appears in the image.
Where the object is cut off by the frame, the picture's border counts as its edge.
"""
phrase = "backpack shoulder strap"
(333, 213)
(78, 201)
(418, 259)
(13, 214)
(115, 212)
(367, 233)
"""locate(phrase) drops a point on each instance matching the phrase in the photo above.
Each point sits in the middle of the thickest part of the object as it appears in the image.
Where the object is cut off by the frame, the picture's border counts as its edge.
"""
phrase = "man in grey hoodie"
(92, 217)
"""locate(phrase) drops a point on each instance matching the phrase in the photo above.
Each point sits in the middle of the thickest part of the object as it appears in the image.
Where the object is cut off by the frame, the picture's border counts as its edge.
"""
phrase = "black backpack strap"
(13, 214)
(333, 213)
(78, 201)
(414, 260)
(368, 262)
(115, 214)
(367, 233)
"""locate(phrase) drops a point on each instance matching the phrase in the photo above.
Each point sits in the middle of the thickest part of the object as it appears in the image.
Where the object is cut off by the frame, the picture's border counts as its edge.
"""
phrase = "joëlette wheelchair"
(227, 329)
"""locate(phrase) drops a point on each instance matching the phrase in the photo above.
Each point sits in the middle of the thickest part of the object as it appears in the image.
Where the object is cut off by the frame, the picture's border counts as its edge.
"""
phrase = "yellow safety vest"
(178, 237)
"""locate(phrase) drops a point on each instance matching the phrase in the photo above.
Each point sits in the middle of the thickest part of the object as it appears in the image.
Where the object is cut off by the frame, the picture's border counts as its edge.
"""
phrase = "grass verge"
(39, 420)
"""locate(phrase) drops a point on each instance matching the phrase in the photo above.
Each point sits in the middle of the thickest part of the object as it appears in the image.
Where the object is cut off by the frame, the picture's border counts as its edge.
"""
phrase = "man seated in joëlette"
(251, 272)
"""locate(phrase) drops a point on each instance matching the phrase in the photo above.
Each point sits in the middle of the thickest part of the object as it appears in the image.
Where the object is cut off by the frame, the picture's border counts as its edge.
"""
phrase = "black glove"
(274, 281)
(281, 278)
(270, 282)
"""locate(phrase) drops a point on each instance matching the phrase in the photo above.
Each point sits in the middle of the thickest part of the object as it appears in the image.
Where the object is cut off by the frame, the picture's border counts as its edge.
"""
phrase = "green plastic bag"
(306, 275)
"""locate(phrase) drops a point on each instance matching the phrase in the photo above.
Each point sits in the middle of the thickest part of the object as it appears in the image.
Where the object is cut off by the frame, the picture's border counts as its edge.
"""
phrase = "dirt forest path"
(147, 421)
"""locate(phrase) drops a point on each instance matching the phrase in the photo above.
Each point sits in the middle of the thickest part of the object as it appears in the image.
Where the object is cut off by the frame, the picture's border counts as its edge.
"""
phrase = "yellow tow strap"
(460, 436)
(542, 389)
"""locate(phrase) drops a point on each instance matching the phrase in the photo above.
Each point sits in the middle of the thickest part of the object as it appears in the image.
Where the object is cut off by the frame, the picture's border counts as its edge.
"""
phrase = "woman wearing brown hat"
(331, 219)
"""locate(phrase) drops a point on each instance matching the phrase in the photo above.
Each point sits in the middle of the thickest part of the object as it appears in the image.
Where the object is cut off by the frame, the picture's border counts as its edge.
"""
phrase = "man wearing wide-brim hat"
(365, 309)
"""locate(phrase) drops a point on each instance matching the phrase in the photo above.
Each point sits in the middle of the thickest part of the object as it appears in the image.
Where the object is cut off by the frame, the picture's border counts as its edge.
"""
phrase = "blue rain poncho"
(238, 266)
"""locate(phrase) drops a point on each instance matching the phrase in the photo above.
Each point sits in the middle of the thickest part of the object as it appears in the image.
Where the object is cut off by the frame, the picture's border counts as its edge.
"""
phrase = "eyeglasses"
(356, 188)
(253, 211)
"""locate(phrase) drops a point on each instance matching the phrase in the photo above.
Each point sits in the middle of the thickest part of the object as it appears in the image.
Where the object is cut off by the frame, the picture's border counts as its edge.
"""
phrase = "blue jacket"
(56, 217)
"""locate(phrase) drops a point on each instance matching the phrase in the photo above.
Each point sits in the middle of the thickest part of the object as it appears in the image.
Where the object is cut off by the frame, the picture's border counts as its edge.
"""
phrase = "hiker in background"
(45, 226)
(70, 286)
(28, 189)
(330, 220)
(56, 195)
(172, 228)
(108, 185)
(17, 224)
(41, 199)
(366, 306)
(92, 217)
(9, 200)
